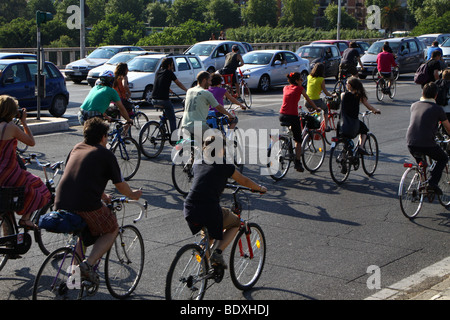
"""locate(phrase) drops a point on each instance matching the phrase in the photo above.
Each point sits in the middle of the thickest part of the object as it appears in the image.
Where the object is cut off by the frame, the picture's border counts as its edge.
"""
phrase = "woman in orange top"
(121, 86)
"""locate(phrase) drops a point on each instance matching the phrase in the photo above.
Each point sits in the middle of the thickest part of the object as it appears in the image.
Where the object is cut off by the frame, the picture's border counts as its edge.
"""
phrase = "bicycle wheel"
(280, 156)
(393, 89)
(182, 175)
(187, 276)
(339, 162)
(246, 95)
(313, 150)
(6, 229)
(375, 75)
(124, 262)
(380, 89)
(58, 278)
(396, 73)
(370, 161)
(410, 193)
(234, 146)
(139, 120)
(151, 139)
(339, 87)
(444, 185)
(248, 255)
(128, 156)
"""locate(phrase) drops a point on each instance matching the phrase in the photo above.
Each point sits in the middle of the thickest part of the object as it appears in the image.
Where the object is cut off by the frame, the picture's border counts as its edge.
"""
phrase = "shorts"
(386, 75)
(100, 221)
(346, 69)
(294, 122)
(319, 103)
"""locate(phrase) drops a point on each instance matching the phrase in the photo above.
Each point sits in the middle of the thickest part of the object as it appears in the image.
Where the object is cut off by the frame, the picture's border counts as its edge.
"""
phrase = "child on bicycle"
(351, 99)
(289, 112)
(202, 205)
(316, 84)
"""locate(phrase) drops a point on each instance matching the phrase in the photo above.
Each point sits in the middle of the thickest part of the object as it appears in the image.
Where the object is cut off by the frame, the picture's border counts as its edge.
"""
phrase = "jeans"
(168, 112)
(435, 153)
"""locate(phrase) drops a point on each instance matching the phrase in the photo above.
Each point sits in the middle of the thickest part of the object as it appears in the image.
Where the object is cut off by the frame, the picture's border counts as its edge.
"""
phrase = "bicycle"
(59, 277)
(281, 151)
(244, 90)
(154, 134)
(333, 103)
(190, 270)
(126, 150)
(139, 118)
(341, 84)
(383, 88)
(344, 155)
(376, 75)
(413, 185)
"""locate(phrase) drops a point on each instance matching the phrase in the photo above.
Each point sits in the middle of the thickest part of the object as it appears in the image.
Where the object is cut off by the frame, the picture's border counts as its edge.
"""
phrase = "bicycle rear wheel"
(6, 229)
(182, 175)
(410, 193)
(339, 162)
(313, 151)
(280, 157)
(151, 139)
(339, 87)
(393, 89)
(370, 161)
(128, 157)
(187, 276)
(59, 277)
(139, 120)
(124, 262)
(248, 255)
(380, 89)
(444, 185)
(246, 95)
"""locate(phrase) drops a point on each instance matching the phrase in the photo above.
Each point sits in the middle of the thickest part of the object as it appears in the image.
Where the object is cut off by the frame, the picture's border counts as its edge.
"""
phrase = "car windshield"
(446, 43)
(120, 58)
(3, 66)
(103, 53)
(202, 49)
(376, 47)
(257, 58)
(427, 40)
(310, 52)
(143, 65)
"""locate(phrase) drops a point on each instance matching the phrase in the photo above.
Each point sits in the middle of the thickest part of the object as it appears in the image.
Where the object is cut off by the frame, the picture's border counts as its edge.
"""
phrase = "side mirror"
(277, 63)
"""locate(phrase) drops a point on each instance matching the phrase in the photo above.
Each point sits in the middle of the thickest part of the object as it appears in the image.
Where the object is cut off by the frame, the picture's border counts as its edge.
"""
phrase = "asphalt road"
(323, 240)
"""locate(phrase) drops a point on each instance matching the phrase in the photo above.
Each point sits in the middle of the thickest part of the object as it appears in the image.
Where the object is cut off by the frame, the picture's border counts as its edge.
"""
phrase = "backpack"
(442, 96)
(422, 74)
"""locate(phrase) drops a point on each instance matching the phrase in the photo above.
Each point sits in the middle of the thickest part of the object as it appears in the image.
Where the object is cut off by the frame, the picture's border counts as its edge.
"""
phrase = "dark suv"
(408, 52)
(328, 54)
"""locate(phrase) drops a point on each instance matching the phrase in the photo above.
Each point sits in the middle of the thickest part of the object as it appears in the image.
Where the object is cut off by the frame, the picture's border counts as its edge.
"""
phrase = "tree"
(298, 13)
(260, 13)
(392, 15)
(12, 9)
(225, 12)
(135, 7)
(183, 10)
(157, 14)
(347, 21)
(431, 8)
(433, 25)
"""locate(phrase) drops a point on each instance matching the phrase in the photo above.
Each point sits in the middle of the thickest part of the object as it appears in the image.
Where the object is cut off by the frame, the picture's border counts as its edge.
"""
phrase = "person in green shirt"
(99, 98)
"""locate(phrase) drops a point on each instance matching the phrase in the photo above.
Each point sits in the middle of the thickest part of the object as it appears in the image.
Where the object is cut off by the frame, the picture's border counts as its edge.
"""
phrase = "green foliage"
(184, 10)
(260, 13)
(347, 21)
(433, 25)
(298, 13)
(225, 12)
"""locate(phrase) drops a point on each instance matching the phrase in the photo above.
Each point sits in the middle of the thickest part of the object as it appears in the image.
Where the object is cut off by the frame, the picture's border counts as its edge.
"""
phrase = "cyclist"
(289, 112)
(99, 98)
(11, 174)
(202, 204)
(89, 167)
(350, 59)
(420, 137)
(351, 99)
(121, 86)
(385, 62)
(198, 102)
(161, 90)
(233, 60)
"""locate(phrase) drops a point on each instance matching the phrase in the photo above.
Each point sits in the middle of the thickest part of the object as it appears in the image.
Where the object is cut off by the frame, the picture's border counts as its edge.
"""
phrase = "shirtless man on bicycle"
(89, 167)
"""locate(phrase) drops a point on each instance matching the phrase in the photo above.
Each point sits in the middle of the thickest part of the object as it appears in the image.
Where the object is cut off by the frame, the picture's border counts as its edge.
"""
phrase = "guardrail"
(62, 56)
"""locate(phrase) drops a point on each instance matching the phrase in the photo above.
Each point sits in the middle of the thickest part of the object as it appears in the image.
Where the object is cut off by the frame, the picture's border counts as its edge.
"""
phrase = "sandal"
(27, 224)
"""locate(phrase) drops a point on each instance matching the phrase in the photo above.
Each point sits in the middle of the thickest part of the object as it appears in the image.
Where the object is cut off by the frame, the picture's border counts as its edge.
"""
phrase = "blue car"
(17, 79)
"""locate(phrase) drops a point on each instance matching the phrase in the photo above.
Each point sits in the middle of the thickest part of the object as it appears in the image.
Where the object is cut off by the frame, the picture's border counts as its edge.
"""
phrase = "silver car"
(446, 51)
(266, 68)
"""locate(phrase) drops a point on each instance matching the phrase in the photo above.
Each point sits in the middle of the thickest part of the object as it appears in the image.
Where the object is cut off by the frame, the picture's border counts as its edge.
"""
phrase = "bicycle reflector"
(334, 139)
(407, 165)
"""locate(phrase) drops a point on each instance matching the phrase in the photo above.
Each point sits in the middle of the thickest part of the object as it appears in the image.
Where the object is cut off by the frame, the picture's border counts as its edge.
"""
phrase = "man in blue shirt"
(434, 47)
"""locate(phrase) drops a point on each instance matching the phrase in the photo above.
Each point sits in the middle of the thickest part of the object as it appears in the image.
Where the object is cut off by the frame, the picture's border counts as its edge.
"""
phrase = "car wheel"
(264, 83)
(148, 94)
(59, 106)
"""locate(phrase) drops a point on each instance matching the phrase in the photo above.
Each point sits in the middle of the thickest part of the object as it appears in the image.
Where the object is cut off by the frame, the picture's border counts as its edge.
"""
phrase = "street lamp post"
(338, 36)
(41, 17)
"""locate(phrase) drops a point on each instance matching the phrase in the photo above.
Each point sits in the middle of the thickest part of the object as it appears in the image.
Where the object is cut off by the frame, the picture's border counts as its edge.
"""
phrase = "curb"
(47, 125)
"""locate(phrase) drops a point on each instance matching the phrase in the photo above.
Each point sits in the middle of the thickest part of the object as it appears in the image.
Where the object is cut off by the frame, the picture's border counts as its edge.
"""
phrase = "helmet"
(107, 78)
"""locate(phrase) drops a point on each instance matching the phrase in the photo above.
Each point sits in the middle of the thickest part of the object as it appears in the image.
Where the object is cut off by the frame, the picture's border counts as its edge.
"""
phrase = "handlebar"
(237, 188)
(116, 204)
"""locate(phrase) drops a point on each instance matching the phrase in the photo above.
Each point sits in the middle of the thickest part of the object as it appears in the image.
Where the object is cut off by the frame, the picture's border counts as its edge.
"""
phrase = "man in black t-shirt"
(434, 66)
(161, 90)
(349, 62)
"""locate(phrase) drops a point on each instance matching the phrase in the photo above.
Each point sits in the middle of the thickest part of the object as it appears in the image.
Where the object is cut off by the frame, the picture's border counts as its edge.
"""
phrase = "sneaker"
(217, 259)
(344, 168)
(88, 273)
(298, 166)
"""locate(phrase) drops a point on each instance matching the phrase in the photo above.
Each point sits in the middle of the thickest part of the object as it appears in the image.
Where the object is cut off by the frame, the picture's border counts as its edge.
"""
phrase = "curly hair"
(9, 108)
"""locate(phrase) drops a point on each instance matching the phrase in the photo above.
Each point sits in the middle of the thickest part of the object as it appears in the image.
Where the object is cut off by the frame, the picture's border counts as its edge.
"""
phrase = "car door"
(335, 61)
(412, 57)
(184, 73)
(218, 56)
(278, 69)
(16, 82)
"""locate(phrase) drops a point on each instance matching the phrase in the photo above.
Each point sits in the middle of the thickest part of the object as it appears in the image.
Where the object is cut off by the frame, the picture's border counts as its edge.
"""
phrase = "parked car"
(363, 46)
(446, 51)
(141, 74)
(266, 68)
(111, 64)
(409, 53)
(328, 54)
(17, 79)
(341, 44)
(77, 70)
(213, 52)
(428, 39)
(16, 55)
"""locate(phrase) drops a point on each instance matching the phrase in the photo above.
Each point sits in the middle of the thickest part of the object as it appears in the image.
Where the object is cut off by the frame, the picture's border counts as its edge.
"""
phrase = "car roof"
(3, 54)
(164, 55)
(330, 41)
(431, 35)
(218, 41)
(396, 39)
(270, 50)
(318, 45)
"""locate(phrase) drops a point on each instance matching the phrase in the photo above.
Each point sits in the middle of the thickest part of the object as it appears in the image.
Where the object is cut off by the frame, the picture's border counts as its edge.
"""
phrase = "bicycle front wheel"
(187, 277)
(139, 120)
(280, 156)
(444, 185)
(128, 156)
(411, 193)
(59, 277)
(248, 255)
(124, 262)
(313, 151)
(370, 161)
(393, 89)
(246, 95)
(339, 162)
(339, 87)
(151, 139)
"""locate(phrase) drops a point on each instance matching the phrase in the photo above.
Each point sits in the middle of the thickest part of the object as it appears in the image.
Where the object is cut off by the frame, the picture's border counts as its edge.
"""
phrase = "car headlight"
(69, 66)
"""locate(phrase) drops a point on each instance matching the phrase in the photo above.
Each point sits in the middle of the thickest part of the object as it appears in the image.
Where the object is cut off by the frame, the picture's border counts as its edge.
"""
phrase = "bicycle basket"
(113, 112)
(335, 104)
(312, 122)
(12, 198)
